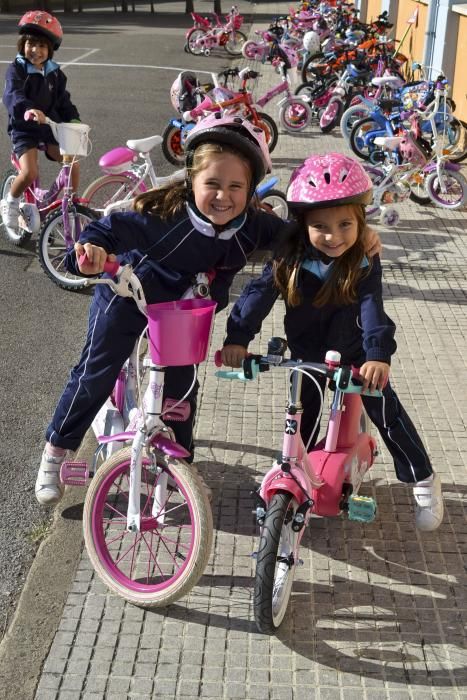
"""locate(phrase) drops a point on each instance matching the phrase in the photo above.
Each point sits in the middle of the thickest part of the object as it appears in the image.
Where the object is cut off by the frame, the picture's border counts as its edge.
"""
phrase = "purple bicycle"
(56, 214)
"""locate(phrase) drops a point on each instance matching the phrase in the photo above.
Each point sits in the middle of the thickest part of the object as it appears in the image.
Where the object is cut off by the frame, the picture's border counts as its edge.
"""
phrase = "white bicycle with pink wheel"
(147, 519)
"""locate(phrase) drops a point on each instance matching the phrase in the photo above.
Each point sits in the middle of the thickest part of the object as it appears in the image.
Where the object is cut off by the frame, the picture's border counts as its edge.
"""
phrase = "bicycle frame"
(47, 200)
(315, 479)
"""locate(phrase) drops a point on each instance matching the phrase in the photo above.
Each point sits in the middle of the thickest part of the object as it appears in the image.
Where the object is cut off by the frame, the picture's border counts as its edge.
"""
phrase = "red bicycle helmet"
(39, 23)
(237, 132)
(327, 180)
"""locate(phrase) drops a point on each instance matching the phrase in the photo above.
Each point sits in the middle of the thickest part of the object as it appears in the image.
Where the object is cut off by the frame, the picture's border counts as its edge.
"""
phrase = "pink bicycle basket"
(180, 331)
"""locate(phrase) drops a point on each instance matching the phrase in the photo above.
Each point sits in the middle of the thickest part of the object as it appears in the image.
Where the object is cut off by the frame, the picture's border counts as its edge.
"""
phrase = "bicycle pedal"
(29, 218)
(74, 473)
(362, 508)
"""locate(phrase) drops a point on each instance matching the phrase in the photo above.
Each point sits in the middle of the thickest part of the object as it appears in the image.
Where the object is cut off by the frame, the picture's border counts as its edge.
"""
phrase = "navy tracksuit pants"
(397, 431)
(110, 340)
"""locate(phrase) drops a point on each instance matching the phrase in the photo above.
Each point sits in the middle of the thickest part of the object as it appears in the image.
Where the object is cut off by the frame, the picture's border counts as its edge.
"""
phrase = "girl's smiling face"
(36, 51)
(221, 189)
(332, 231)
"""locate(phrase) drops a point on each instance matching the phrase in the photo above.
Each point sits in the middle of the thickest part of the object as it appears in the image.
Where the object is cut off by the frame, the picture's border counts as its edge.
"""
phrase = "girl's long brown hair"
(340, 286)
(169, 201)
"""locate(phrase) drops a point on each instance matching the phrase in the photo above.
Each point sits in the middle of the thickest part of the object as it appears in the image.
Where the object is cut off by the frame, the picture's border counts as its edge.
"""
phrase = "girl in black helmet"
(35, 83)
(205, 224)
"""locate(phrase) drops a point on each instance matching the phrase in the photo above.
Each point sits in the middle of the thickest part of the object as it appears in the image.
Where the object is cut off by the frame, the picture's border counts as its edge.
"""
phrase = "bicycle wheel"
(18, 236)
(235, 42)
(331, 115)
(172, 145)
(165, 559)
(450, 192)
(276, 202)
(350, 117)
(358, 142)
(53, 246)
(194, 41)
(111, 188)
(275, 563)
(252, 50)
(455, 146)
(295, 115)
(417, 185)
(310, 70)
(269, 126)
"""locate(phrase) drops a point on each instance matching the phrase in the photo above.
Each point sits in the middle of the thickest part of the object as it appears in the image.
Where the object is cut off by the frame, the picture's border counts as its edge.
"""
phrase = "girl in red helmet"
(35, 83)
(333, 301)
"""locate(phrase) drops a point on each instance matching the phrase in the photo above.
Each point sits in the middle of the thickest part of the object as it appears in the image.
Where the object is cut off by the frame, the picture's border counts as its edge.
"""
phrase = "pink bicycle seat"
(117, 160)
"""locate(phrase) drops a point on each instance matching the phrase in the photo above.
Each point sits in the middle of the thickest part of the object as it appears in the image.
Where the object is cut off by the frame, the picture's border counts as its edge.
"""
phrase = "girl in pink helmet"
(35, 83)
(333, 300)
(206, 224)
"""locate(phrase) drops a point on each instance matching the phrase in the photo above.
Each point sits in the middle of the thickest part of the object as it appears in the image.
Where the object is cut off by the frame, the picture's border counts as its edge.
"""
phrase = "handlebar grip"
(28, 116)
(229, 374)
(110, 266)
(217, 358)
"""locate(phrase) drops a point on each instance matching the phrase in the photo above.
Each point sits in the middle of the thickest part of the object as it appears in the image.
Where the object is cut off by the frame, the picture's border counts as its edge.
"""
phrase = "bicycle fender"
(118, 437)
(449, 165)
(277, 480)
(264, 187)
(169, 447)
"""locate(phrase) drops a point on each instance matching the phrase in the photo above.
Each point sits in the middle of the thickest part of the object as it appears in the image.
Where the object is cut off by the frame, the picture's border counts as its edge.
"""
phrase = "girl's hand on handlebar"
(372, 242)
(233, 355)
(374, 374)
(35, 115)
(96, 257)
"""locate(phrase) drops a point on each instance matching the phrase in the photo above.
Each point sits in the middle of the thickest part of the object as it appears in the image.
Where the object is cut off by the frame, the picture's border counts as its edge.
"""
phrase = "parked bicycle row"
(147, 520)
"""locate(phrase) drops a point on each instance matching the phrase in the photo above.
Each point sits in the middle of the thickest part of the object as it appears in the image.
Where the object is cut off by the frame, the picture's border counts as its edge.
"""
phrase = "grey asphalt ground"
(377, 611)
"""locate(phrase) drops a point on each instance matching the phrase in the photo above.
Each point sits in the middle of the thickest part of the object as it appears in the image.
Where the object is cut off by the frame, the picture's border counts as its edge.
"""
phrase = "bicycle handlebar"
(123, 281)
(344, 377)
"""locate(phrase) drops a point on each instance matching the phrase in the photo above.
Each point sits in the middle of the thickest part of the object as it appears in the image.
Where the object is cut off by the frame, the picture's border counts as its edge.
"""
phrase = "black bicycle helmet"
(234, 131)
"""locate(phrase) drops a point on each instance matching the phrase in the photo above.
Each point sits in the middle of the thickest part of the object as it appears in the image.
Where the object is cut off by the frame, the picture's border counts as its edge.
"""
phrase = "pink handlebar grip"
(217, 359)
(28, 115)
(111, 267)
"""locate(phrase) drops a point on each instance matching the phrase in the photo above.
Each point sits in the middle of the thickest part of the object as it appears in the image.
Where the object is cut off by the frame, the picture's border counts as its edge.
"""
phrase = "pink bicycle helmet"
(326, 180)
(39, 23)
(237, 132)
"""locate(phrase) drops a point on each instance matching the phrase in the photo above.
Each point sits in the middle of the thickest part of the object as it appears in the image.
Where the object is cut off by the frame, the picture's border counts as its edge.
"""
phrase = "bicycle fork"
(288, 473)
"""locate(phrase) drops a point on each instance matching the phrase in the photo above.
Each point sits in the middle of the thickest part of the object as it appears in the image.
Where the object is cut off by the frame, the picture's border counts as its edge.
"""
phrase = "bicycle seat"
(144, 145)
(390, 142)
(391, 81)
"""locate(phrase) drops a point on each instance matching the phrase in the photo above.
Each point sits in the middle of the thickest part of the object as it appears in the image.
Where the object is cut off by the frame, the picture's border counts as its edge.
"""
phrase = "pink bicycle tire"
(162, 562)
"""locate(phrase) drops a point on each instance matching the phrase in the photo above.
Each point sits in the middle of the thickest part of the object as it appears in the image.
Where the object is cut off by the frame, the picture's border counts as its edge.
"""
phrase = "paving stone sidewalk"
(378, 611)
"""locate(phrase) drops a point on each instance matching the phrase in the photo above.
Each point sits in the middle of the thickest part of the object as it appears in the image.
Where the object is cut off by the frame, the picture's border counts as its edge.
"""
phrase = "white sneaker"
(49, 489)
(429, 503)
(9, 212)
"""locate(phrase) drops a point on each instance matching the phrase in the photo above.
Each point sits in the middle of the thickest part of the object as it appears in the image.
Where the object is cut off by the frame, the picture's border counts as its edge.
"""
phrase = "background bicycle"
(57, 219)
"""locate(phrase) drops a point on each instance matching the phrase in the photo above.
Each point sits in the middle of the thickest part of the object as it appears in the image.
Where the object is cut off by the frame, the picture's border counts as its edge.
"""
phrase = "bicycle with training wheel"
(226, 35)
(130, 171)
(324, 481)
(147, 520)
(56, 214)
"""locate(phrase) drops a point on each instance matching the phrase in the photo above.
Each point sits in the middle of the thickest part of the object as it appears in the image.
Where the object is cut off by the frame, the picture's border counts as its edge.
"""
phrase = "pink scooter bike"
(324, 481)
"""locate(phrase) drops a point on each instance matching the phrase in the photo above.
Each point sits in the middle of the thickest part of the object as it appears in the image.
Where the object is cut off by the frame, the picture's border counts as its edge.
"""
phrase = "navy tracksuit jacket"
(26, 87)
(166, 256)
(360, 332)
